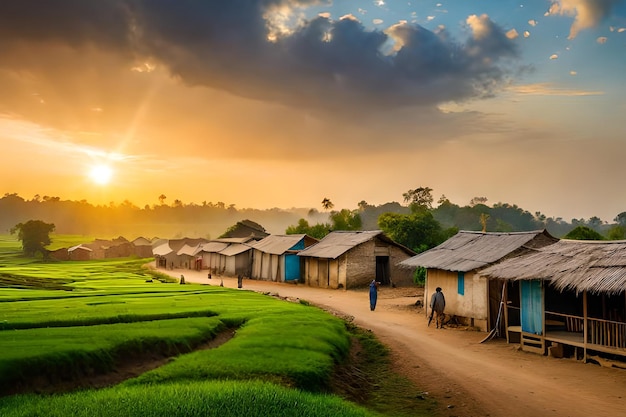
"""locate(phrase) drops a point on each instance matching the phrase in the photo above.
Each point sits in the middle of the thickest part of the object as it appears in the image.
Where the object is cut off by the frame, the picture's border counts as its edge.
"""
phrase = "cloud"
(547, 89)
(526, 34)
(532, 22)
(318, 64)
(554, 56)
(602, 40)
(512, 34)
(587, 13)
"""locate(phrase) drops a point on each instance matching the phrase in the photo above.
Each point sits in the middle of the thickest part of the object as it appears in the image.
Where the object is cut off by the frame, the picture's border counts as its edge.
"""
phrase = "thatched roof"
(468, 250)
(593, 266)
(246, 228)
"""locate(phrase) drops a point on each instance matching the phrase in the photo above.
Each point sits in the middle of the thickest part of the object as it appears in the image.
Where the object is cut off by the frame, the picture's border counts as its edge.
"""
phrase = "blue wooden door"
(292, 267)
(531, 306)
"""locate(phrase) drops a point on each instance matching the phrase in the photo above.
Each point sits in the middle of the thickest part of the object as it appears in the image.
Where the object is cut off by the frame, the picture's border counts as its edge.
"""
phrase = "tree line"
(421, 225)
(418, 222)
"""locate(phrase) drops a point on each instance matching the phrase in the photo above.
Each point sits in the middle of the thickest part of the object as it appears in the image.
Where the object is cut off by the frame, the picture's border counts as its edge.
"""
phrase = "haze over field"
(280, 103)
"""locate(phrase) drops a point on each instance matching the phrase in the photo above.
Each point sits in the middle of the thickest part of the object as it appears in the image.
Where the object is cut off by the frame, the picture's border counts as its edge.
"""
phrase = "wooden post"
(585, 327)
(426, 294)
(543, 316)
(506, 310)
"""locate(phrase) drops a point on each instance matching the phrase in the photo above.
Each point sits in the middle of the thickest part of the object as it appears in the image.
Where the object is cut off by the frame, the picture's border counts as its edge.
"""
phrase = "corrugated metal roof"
(593, 266)
(277, 244)
(73, 248)
(235, 249)
(162, 250)
(213, 246)
(468, 250)
(189, 250)
(233, 239)
(337, 243)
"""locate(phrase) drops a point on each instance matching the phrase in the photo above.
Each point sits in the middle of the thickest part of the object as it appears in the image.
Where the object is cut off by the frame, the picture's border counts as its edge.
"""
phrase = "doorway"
(382, 270)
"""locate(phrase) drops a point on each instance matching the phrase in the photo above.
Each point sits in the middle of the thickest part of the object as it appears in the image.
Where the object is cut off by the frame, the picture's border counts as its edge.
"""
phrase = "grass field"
(68, 320)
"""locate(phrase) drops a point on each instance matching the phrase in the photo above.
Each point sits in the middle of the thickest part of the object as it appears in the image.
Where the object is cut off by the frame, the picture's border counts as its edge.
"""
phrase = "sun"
(101, 174)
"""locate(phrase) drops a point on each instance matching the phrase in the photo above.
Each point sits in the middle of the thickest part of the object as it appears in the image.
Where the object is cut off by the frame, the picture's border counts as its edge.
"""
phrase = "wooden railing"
(606, 333)
(600, 332)
(568, 322)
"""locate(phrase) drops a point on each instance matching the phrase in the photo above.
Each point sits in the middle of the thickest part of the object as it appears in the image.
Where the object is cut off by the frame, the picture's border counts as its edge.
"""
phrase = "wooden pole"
(585, 326)
(543, 316)
(506, 311)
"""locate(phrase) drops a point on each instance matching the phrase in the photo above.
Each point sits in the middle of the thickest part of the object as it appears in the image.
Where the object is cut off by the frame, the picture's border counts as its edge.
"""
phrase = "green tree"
(583, 233)
(35, 236)
(420, 197)
(345, 220)
(318, 231)
(617, 232)
(478, 200)
(418, 231)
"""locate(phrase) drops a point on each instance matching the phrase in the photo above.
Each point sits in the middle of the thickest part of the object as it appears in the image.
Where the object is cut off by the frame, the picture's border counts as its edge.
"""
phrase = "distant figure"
(209, 275)
(373, 294)
(239, 281)
(182, 279)
(221, 282)
(437, 305)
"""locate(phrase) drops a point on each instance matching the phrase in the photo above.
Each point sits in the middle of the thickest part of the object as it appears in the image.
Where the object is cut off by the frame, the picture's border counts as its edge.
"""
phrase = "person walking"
(373, 294)
(437, 305)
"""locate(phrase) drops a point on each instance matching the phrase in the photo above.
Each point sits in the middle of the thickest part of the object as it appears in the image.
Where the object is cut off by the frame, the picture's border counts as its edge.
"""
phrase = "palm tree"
(327, 204)
(162, 198)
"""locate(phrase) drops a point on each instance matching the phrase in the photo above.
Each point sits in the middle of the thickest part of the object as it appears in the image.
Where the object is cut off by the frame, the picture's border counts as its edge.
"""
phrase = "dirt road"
(466, 377)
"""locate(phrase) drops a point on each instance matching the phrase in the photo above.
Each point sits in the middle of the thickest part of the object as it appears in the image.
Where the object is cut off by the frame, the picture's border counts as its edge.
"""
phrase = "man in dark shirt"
(437, 305)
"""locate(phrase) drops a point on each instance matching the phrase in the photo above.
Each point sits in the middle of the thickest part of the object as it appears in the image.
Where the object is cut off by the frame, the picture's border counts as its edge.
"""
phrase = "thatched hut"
(572, 293)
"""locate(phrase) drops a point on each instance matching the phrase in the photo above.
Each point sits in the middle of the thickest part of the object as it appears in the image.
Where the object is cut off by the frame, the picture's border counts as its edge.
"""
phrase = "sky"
(282, 103)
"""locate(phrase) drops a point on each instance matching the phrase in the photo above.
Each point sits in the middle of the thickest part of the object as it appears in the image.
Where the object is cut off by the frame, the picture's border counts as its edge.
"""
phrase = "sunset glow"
(266, 104)
(101, 174)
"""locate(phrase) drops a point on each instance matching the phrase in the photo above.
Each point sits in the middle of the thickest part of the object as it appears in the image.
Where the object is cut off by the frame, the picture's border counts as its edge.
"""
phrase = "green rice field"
(67, 321)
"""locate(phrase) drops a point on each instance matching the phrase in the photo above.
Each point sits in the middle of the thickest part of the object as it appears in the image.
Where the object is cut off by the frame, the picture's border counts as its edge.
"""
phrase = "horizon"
(279, 104)
(320, 209)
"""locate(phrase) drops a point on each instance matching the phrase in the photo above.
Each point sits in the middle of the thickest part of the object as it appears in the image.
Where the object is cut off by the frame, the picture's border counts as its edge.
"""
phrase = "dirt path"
(466, 377)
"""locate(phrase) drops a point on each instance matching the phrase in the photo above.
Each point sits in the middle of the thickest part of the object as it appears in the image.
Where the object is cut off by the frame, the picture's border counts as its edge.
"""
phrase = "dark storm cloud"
(74, 22)
(322, 63)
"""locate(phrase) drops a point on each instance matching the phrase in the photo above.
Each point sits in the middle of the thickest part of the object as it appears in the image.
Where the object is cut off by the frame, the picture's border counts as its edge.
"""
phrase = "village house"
(166, 252)
(566, 298)
(455, 267)
(275, 258)
(345, 260)
(226, 256)
(143, 247)
(79, 253)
